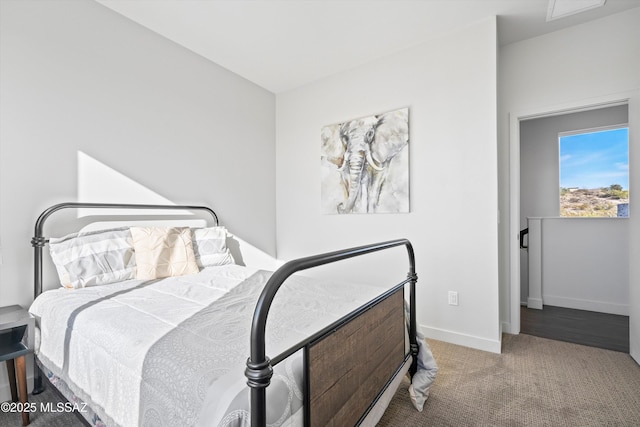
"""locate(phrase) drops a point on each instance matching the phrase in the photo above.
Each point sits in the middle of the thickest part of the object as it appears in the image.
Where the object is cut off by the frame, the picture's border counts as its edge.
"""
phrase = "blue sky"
(595, 160)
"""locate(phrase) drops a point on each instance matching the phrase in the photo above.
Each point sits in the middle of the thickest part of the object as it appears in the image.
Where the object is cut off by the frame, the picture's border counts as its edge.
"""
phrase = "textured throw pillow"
(93, 258)
(163, 252)
(210, 247)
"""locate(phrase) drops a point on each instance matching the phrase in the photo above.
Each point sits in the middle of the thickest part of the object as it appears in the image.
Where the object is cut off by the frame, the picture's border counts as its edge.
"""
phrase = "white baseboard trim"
(507, 329)
(5, 389)
(534, 303)
(5, 392)
(581, 304)
(479, 343)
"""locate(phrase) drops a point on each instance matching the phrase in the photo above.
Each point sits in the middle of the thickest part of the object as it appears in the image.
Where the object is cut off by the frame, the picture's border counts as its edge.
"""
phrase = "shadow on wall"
(99, 183)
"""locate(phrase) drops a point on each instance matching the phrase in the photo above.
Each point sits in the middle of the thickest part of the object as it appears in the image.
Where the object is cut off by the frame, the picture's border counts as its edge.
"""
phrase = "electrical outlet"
(453, 298)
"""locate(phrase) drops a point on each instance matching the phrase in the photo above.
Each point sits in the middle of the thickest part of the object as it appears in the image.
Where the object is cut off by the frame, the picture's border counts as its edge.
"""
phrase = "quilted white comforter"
(172, 352)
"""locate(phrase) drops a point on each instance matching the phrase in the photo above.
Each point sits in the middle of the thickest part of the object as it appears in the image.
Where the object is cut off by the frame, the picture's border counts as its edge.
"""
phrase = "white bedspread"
(172, 352)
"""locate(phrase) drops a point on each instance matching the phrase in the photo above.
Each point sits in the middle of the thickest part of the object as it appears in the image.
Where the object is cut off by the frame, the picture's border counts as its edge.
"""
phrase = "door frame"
(629, 98)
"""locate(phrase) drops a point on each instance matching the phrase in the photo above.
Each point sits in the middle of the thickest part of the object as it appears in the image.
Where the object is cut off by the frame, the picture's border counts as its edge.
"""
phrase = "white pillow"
(163, 252)
(93, 258)
(210, 247)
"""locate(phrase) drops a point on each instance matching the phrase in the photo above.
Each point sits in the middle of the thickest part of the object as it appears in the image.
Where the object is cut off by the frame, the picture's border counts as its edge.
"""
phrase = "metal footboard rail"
(260, 368)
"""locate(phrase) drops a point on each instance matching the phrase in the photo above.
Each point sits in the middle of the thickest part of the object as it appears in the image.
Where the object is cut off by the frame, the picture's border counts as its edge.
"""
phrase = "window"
(594, 173)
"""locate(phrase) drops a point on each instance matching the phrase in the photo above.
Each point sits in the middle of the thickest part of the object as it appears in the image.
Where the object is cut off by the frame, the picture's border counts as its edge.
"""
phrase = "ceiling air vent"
(562, 8)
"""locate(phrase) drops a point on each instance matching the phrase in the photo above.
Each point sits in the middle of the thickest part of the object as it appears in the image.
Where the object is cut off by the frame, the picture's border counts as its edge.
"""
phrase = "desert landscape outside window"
(594, 173)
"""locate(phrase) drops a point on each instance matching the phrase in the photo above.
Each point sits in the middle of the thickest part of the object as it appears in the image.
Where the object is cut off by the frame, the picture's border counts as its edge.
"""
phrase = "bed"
(137, 341)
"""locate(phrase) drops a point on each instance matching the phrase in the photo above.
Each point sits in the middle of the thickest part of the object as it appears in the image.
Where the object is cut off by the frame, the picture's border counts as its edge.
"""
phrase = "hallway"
(601, 330)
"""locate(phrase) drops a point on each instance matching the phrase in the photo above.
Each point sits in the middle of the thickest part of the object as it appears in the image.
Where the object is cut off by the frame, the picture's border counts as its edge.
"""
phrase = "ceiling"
(284, 44)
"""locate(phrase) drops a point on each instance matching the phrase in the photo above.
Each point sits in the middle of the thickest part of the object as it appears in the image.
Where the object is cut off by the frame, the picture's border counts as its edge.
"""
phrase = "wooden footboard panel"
(351, 366)
(363, 350)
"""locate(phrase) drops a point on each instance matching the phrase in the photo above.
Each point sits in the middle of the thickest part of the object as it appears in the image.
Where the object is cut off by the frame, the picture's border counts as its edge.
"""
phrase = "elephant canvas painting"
(365, 164)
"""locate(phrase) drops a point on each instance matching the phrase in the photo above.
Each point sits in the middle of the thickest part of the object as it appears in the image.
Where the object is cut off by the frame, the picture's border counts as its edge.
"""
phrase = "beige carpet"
(534, 382)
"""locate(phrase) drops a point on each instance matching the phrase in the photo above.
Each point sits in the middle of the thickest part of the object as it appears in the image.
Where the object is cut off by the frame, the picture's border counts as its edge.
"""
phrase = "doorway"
(541, 183)
(515, 225)
(572, 293)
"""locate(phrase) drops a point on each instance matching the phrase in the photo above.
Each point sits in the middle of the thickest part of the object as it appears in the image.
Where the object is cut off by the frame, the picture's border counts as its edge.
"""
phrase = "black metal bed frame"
(259, 367)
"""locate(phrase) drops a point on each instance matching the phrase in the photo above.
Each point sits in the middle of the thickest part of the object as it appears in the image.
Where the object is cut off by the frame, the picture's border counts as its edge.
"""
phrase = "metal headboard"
(38, 241)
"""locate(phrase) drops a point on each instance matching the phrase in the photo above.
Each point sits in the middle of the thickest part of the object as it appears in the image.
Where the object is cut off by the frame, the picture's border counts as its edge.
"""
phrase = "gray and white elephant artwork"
(365, 165)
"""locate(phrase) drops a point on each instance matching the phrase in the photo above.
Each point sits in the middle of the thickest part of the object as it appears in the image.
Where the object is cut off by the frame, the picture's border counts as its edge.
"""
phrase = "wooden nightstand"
(16, 341)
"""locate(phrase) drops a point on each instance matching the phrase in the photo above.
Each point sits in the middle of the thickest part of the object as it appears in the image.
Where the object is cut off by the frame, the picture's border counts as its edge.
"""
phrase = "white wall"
(75, 76)
(585, 264)
(634, 234)
(449, 86)
(576, 66)
(78, 77)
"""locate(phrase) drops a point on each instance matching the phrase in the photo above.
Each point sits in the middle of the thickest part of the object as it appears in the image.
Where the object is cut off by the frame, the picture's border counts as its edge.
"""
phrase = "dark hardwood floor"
(602, 330)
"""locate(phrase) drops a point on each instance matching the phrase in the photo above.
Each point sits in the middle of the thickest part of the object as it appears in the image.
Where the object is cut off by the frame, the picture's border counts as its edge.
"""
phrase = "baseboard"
(5, 389)
(507, 329)
(5, 392)
(580, 304)
(493, 346)
(534, 303)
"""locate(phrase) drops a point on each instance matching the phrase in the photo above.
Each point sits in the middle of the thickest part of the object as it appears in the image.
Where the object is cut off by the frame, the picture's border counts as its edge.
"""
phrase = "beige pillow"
(163, 252)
